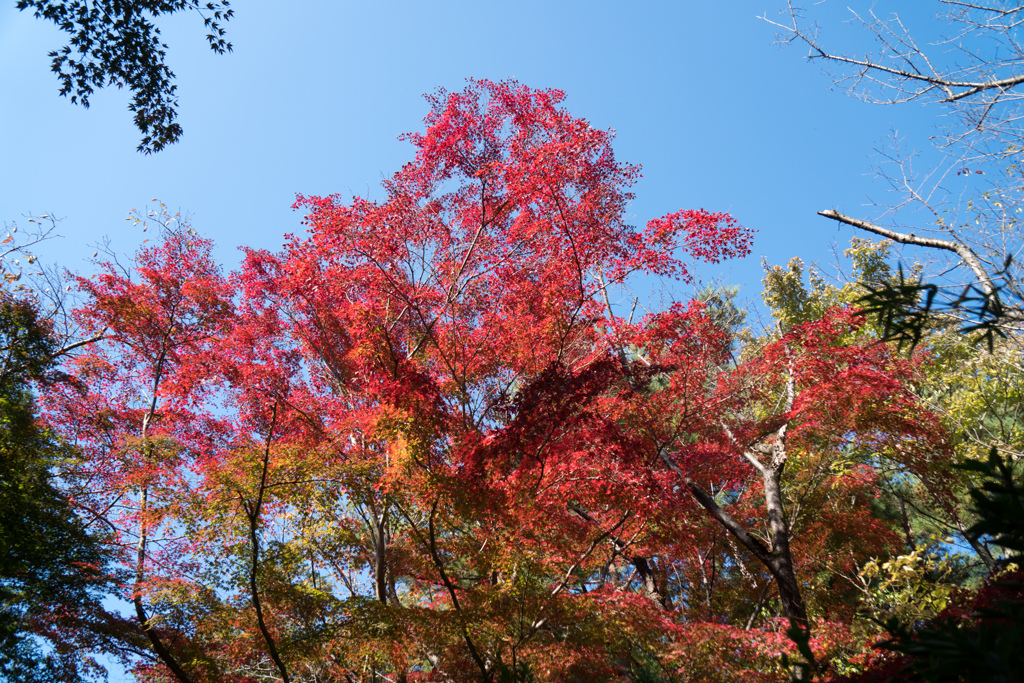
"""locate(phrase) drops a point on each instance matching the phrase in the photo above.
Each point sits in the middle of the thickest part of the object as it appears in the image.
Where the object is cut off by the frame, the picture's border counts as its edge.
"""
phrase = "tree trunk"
(380, 543)
(785, 575)
(140, 611)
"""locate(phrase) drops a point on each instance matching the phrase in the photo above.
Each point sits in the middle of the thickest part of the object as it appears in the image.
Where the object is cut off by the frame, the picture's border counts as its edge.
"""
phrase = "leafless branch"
(965, 253)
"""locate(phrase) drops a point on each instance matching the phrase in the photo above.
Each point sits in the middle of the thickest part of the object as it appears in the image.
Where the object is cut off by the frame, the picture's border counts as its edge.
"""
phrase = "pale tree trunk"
(380, 544)
(782, 561)
(777, 560)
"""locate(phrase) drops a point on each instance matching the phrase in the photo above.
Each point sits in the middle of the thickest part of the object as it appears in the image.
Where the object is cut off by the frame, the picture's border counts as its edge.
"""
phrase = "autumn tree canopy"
(421, 442)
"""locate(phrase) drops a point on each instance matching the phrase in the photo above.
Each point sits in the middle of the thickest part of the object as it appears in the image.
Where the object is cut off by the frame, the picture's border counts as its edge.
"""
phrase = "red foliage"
(420, 439)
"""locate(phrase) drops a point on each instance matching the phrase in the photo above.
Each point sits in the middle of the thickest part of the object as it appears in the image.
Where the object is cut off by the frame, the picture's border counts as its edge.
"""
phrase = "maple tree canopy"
(420, 442)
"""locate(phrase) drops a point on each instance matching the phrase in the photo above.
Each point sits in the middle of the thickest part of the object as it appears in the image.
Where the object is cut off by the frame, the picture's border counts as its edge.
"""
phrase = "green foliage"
(517, 673)
(999, 502)
(981, 391)
(906, 308)
(645, 668)
(794, 301)
(48, 561)
(985, 643)
(902, 308)
(721, 305)
(989, 651)
(910, 587)
(790, 300)
(115, 42)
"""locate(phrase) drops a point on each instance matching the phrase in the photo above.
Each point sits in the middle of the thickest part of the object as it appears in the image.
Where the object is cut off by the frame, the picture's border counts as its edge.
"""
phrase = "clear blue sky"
(315, 94)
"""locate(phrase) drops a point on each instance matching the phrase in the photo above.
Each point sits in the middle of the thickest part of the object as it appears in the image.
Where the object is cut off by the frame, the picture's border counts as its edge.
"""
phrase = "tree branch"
(755, 546)
(253, 514)
(965, 253)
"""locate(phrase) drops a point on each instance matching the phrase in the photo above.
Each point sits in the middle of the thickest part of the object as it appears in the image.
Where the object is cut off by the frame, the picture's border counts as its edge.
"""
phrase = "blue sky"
(315, 94)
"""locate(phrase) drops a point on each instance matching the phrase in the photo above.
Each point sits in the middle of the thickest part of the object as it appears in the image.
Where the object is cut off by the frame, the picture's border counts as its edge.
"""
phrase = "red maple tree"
(417, 441)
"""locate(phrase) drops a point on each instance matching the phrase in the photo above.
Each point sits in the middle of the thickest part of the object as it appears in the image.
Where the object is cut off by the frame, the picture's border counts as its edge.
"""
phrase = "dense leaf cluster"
(116, 42)
(51, 569)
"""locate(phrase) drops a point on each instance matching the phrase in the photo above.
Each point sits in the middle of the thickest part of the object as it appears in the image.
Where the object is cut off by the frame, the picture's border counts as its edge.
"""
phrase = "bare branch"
(965, 253)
